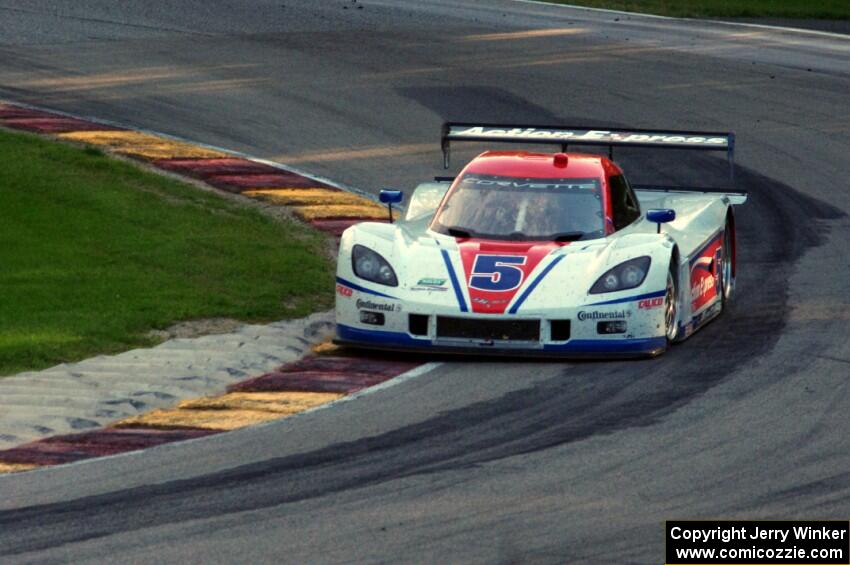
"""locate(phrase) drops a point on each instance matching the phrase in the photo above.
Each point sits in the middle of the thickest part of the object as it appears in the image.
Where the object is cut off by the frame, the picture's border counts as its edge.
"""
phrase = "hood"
(493, 276)
(495, 271)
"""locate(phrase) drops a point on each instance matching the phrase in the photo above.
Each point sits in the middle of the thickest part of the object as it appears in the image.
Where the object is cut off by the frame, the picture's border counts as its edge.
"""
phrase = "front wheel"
(671, 307)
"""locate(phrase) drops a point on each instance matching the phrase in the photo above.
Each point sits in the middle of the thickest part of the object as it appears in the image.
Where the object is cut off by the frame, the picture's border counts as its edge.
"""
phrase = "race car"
(532, 253)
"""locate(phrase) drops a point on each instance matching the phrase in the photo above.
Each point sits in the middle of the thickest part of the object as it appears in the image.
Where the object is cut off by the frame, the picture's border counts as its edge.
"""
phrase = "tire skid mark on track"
(292, 388)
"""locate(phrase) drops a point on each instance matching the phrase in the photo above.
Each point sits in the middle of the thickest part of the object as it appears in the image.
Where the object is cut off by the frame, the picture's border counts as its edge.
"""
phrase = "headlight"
(370, 266)
(629, 274)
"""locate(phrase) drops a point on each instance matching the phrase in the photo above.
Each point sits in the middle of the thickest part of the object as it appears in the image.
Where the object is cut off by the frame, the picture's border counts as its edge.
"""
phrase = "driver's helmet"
(497, 211)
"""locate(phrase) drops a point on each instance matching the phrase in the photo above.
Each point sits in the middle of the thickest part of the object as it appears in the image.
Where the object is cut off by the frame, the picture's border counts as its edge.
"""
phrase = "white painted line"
(602, 10)
(696, 20)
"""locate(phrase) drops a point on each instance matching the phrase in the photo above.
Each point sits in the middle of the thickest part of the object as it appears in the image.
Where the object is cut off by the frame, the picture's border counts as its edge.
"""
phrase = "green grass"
(825, 9)
(96, 252)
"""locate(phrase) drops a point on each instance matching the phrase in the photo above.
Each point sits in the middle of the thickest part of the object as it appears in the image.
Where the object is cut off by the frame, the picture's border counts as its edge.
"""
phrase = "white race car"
(542, 253)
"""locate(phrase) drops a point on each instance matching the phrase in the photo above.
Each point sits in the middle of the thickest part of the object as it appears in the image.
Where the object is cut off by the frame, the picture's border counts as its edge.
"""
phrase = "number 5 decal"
(496, 273)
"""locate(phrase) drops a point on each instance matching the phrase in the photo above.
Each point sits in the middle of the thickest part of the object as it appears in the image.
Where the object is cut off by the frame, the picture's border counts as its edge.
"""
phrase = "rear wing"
(565, 136)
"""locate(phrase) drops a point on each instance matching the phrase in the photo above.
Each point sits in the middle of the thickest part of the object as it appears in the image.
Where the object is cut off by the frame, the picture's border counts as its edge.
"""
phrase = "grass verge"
(96, 252)
(823, 9)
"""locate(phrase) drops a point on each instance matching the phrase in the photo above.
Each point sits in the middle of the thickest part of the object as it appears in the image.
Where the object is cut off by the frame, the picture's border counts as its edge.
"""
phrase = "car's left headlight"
(370, 266)
(626, 275)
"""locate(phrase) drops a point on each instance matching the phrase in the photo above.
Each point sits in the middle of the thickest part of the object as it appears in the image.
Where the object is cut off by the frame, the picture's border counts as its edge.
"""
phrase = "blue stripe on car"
(381, 337)
(630, 298)
(461, 302)
(640, 345)
(341, 280)
(528, 290)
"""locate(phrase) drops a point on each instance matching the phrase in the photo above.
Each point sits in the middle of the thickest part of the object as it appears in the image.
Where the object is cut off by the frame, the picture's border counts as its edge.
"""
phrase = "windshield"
(497, 207)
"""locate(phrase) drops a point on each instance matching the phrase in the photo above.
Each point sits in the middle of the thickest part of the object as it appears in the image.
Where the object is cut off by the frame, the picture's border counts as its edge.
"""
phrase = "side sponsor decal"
(705, 273)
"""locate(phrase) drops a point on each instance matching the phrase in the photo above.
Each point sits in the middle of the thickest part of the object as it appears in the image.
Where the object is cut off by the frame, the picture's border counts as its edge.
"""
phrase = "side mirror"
(390, 197)
(661, 216)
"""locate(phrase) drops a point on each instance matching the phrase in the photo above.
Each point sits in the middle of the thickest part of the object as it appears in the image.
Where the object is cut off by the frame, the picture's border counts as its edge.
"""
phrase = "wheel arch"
(675, 258)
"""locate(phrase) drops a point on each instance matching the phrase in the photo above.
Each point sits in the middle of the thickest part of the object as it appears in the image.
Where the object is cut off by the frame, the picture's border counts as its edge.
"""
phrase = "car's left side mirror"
(390, 197)
(661, 216)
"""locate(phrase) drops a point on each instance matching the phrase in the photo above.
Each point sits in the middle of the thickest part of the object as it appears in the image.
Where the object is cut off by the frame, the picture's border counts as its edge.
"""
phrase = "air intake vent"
(479, 328)
(560, 330)
(418, 324)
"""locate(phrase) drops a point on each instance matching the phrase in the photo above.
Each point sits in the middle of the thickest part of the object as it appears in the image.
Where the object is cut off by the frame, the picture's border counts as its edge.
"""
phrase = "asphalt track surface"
(475, 461)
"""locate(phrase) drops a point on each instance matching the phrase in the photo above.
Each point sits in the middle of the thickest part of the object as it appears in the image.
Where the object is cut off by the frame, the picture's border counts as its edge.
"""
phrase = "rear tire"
(727, 265)
(671, 306)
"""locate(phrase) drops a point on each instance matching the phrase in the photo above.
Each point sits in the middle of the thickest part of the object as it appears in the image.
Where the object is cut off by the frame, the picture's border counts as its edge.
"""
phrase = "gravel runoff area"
(76, 397)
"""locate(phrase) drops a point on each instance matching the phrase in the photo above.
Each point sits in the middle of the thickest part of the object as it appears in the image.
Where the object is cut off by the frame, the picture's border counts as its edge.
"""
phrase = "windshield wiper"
(567, 236)
(458, 232)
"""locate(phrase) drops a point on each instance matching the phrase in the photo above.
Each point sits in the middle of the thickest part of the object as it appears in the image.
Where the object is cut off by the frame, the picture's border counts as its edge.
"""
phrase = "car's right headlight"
(370, 266)
(626, 275)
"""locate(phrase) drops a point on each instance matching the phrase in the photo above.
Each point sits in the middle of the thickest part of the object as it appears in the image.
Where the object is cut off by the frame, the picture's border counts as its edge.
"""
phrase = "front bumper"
(369, 319)
(574, 348)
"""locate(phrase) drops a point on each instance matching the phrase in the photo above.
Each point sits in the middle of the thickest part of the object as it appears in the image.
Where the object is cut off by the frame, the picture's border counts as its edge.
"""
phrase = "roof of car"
(525, 164)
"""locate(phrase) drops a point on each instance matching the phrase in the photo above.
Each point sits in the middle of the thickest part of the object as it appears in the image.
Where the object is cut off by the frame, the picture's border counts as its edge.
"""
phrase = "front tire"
(671, 307)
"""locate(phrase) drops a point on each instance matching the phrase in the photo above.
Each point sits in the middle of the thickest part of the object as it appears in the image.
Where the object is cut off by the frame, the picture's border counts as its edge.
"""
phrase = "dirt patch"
(197, 328)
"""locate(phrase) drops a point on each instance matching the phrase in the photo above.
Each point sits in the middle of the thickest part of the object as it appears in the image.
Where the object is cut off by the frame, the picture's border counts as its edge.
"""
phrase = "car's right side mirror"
(661, 216)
